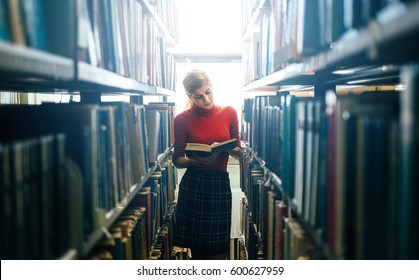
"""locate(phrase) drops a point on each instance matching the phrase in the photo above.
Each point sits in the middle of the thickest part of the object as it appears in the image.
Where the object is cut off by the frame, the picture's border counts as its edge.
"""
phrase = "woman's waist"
(207, 172)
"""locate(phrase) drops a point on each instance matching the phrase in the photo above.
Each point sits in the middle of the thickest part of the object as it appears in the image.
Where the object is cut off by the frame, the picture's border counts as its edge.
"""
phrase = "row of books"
(126, 239)
(168, 12)
(163, 245)
(23, 23)
(107, 154)
(269, 229)
(41, 24)
(160, 126)
(9, 98)
(250, 9)
(120, 36)
(35, 198)
(292, 30)
(346, 166)
(250, 212)
(144, 230)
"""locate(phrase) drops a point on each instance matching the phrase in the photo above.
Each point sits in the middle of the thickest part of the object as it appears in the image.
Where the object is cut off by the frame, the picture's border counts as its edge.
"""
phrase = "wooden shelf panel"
(28, 63)
(96, 79)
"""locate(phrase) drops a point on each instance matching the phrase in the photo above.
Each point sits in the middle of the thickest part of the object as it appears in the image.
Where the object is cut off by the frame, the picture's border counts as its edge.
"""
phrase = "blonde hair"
(194, 80)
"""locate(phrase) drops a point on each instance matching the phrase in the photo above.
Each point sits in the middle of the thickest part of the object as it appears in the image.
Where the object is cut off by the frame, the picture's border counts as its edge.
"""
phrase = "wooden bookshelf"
(367, 65)
(65, 65)
(119, 209)
(277, 185)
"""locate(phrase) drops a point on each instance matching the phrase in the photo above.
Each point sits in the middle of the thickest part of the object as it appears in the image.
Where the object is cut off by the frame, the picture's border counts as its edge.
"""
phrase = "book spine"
(409, 179)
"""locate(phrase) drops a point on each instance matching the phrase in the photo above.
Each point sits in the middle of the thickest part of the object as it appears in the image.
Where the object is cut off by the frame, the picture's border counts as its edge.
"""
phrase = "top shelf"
(32, 70)
(78, 56)
(375, 51)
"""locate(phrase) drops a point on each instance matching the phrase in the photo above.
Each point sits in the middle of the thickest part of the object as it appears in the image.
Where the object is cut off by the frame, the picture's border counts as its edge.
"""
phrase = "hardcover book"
(206, 150)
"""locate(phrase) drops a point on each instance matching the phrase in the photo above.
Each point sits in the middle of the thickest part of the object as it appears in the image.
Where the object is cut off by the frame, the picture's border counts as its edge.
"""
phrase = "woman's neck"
(203, 111)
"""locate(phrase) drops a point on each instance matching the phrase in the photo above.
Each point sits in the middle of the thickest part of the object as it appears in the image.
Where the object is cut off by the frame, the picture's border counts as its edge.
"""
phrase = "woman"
(203, 211)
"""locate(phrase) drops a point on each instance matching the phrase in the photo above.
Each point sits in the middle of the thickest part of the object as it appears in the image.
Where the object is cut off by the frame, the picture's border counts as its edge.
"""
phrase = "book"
(206, 150)
(86, 46)
(409, 179)
(32, 15)
(60, 27)
(5, 34)
(16, 23)
(154, 133)
(308, 26)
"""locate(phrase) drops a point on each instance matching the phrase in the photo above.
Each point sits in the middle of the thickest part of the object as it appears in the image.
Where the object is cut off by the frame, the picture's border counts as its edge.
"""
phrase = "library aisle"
(327, 97)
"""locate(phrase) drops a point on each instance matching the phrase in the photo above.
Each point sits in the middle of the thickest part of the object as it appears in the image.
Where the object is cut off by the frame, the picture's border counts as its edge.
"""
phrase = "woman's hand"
(235, 153)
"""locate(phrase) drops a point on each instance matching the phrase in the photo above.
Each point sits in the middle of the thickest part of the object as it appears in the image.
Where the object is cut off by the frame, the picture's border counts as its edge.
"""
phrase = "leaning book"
(206, 150)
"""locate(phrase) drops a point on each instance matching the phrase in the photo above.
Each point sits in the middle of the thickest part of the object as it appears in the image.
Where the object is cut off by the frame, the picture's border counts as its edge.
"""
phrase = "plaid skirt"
(203, 212)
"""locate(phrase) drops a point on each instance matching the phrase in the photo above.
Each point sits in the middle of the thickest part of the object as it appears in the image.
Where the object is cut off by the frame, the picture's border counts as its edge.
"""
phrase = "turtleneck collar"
(203, 112)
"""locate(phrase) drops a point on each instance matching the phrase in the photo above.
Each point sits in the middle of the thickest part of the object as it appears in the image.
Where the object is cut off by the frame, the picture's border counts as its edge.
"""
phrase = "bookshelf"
(112, 215)
(64, 47)
(311, 90)
(369, 48)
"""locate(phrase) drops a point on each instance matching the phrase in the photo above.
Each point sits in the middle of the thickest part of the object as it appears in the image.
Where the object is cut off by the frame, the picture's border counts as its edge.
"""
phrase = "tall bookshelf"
(78, 191)
(330, 127)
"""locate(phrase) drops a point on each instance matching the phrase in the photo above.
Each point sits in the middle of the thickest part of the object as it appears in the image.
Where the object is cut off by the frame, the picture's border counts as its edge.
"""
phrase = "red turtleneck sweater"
(207, 126)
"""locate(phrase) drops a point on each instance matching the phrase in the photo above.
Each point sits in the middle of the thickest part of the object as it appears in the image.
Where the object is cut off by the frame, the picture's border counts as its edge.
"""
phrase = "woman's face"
(203, 97)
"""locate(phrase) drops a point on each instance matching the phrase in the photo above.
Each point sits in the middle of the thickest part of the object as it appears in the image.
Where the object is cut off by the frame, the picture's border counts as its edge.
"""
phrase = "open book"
(206, 150)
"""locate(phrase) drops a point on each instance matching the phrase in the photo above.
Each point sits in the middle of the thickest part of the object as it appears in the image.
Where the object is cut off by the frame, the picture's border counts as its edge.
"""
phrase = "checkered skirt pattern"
(203, 212)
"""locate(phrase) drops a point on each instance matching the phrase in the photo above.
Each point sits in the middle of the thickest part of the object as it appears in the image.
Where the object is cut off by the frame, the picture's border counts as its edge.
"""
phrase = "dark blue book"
(408, 230)
(34, 23)
(4, 22)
